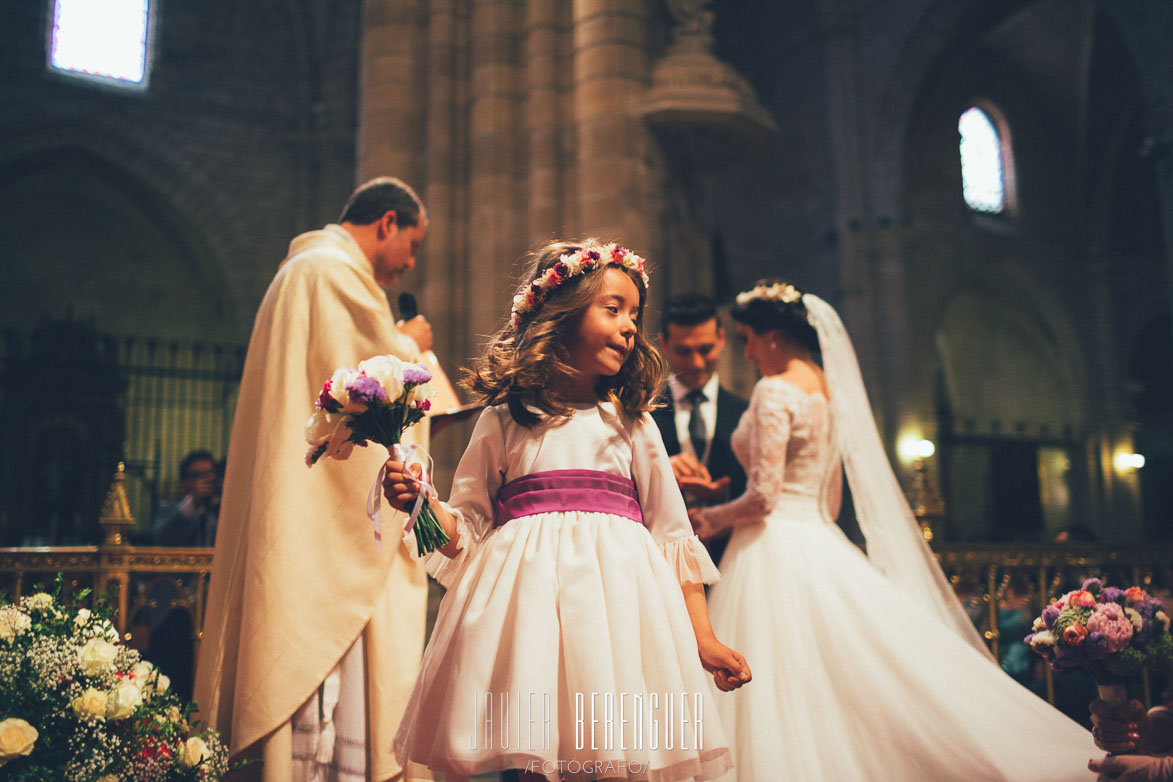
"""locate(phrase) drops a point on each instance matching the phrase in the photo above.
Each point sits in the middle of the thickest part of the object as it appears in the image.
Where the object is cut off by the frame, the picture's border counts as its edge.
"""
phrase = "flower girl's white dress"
(564, 634)
(853, 680)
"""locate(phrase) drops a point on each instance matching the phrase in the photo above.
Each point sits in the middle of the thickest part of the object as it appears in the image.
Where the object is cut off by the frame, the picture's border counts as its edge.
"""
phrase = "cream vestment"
(297, 579)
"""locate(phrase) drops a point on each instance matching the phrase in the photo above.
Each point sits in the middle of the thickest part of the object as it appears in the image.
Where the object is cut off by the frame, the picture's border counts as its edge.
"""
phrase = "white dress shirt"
(683, 409)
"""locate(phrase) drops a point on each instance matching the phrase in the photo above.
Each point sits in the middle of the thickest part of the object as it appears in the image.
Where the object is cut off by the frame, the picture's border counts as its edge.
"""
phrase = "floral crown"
(779, 291)
(529, 297)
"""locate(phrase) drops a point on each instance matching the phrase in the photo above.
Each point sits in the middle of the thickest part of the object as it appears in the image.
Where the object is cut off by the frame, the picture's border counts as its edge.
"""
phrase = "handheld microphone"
(408, 306)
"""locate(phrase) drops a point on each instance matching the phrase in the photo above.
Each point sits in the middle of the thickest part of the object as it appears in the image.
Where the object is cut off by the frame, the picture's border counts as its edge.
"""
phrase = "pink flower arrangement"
(1111, 632)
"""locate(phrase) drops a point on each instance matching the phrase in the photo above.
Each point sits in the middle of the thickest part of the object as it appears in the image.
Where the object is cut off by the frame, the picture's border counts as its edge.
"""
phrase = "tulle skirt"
(854, 682)
(565, 648)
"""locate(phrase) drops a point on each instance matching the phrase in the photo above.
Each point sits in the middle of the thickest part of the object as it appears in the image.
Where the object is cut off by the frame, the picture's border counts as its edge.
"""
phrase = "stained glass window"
(983, 166)
(105, 40)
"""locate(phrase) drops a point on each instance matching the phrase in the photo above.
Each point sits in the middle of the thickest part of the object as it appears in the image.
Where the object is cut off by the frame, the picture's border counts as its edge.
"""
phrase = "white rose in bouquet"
(420, 394)
(123, 700)
(195, 751)
(388, 370)
(329, 430)
(41, 601)
(16, 738)
(13, 622)
(342, 378)
(83, 616)
(97, 656)
(141, 673)
(91, 704)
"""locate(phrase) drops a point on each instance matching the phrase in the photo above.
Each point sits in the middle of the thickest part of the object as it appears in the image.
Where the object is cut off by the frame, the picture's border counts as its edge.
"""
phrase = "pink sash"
(563, 490)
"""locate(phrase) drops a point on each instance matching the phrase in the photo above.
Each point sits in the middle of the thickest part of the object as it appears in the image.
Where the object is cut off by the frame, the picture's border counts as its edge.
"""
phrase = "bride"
(866, 668)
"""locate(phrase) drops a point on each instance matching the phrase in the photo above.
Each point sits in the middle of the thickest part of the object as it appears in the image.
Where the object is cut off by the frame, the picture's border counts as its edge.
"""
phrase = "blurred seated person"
(191, 520)
(188, 521)
(1127, 728)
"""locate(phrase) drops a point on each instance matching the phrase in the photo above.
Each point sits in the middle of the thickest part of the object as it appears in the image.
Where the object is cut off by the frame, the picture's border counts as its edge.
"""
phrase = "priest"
(313, 636)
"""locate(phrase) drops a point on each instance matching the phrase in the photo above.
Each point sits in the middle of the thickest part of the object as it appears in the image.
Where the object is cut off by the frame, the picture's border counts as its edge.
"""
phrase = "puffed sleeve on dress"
(768, 421)
(478, 478)
(663, 508)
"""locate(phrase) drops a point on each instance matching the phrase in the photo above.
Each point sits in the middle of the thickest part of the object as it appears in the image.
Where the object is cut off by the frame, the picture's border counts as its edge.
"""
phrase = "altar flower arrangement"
(77, 705)
(1110, 632)
(374, 403)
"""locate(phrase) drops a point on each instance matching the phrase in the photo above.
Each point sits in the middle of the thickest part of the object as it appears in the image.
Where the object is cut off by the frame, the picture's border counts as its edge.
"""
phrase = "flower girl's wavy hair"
(527, 359)
(774, 304)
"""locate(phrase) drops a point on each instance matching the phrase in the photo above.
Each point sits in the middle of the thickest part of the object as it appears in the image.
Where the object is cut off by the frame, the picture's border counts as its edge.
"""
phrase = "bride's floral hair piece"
(777, 291)
(774, 304)
(586, 259)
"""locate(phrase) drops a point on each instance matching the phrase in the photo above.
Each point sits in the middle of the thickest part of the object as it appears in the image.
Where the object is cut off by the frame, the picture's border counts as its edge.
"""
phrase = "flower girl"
(573, 639)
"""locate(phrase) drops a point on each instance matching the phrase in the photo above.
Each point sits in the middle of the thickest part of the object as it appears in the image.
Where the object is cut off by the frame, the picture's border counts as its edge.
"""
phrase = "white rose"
(141, 673)
(321, 426)
(338, 383)
(91, 703)
(195, 751)
(16, 738)
(106, 630)
(13, 622)
(97, 656)
(388, 370)
(41, 601)
(83, 616)
(123, 700)
(163, 683)
(420, 394)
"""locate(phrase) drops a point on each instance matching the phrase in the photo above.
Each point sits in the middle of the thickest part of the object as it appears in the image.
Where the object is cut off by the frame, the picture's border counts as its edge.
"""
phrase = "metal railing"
(74, 401)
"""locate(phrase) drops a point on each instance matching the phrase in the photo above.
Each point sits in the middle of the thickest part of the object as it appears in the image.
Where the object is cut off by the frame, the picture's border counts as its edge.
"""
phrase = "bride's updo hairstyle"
(527, 361)
(774, 304)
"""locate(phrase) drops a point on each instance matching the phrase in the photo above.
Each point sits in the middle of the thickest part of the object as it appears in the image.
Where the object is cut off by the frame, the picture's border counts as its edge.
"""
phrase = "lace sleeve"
(768, 422)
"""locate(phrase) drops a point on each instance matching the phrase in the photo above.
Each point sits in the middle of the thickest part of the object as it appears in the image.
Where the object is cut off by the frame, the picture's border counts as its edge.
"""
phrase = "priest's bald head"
(389, 222)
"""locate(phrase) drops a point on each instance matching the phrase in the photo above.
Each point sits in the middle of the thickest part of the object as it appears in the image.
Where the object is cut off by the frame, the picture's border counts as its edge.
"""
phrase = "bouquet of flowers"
(77, 705)
(374, 403)
(1110, 632)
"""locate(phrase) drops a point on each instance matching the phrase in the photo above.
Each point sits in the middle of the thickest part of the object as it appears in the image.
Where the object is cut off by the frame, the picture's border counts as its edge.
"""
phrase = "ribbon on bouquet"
(408, 455)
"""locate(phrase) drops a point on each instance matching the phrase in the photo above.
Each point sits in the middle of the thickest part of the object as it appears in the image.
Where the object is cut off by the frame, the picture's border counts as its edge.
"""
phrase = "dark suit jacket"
(721, 462)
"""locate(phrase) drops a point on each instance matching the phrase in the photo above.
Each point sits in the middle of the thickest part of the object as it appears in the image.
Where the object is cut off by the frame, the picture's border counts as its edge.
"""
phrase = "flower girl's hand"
(728, 667)
(401, 484)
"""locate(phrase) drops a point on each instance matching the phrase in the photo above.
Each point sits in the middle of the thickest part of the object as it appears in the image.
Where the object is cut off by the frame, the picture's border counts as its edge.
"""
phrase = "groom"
(699, 415)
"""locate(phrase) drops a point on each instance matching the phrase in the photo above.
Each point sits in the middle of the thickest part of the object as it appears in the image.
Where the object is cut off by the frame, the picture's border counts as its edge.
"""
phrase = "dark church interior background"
(983, 189)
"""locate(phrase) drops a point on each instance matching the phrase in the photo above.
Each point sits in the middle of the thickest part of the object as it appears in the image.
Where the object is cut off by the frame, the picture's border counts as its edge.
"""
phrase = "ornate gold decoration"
(116, 517)
(926, 502)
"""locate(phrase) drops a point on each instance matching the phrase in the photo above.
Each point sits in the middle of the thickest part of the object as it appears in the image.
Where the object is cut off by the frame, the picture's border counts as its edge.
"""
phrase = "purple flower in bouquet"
(366, 391)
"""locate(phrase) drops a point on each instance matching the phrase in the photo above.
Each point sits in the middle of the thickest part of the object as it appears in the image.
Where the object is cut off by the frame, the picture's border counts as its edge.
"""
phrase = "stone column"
(495, 237)
(542, 120)
(391, 89)
(611, 73)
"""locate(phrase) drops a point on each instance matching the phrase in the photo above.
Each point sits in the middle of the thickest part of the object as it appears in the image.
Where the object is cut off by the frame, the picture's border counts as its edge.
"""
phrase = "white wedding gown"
(853, 680)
